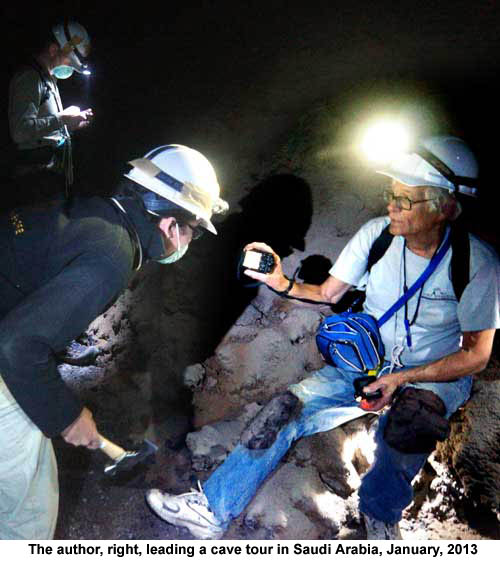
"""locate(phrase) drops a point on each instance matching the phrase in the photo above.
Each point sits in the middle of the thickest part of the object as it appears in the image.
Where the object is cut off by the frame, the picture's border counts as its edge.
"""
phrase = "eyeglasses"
(401, 202)
(197, 231)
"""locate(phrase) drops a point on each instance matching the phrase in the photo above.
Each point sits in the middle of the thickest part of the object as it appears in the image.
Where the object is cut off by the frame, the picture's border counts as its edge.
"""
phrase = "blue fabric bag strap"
(429, 270)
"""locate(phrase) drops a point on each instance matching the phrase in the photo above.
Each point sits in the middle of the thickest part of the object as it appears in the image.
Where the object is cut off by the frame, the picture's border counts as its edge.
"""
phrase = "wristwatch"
(291, 282)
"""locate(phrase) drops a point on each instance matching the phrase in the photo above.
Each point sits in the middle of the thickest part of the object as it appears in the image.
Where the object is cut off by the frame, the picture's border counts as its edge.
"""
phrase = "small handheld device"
(263, 262)
(359, 392)
(72, 110)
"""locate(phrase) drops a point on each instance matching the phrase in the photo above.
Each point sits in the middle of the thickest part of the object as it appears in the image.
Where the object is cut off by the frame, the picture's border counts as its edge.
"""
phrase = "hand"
(74, 122)
(75, 119)
(88, 113)
(82, 431)
(276, 280)
(388, 384)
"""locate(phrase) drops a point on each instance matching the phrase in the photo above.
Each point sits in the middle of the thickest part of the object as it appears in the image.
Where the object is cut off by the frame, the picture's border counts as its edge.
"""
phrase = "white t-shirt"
(440, 321)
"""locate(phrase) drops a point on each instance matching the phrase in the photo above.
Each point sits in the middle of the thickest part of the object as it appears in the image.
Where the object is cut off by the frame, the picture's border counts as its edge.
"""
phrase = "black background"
(159, 67)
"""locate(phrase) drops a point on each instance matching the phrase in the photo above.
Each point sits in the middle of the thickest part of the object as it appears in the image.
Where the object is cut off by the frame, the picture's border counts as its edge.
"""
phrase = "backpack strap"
(47, 89)
(460, 257)
(379, 247)
(460, 260)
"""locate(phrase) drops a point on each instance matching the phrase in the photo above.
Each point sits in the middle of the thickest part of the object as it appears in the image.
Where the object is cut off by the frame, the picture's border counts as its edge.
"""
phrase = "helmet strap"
(447, 172)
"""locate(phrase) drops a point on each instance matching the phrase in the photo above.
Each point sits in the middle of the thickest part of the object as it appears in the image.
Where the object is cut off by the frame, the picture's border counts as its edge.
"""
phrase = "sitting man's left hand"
(388, 385)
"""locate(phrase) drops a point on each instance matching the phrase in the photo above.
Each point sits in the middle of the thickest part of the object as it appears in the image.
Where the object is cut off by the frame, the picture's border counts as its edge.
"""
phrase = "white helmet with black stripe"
(439, 161)
(74, 42)
(182, 176)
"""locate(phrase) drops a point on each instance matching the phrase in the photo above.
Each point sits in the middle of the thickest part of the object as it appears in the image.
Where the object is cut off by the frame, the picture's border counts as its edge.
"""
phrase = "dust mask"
(62, 71)
(177, 255)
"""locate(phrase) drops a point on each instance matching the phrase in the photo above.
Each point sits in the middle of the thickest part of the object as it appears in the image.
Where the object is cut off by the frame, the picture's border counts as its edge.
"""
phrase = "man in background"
(40, 127)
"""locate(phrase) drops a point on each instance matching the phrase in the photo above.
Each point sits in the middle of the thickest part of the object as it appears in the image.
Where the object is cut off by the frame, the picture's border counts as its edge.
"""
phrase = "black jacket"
(60, 268)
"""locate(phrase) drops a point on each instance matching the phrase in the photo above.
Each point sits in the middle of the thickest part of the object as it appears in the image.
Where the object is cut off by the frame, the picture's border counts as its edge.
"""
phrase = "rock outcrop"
(473, 448)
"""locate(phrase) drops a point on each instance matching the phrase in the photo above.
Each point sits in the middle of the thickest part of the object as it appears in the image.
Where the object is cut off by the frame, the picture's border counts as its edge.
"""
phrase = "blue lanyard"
(407, 323)
(429, 270)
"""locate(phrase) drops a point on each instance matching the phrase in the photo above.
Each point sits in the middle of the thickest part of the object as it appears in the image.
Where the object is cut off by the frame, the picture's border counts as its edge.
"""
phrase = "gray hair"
(443, 201)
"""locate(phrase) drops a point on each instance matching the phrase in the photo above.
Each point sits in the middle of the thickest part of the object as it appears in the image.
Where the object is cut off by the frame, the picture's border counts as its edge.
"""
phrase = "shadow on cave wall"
(277, 211)
(185, 310)
(177, 315)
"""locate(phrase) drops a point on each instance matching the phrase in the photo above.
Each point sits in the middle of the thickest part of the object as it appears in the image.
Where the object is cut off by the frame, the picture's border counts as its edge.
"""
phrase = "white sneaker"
(190, 510)
(379, 531)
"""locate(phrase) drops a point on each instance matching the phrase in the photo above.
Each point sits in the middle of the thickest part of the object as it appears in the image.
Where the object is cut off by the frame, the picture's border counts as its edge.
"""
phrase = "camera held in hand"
(263, 262)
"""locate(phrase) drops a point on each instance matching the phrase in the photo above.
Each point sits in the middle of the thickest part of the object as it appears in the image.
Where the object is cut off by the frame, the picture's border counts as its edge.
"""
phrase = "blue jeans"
(328, 401)
(386, 488)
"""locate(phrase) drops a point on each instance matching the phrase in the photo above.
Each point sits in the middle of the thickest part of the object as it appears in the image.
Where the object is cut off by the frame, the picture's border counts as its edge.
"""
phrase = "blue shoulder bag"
(351, 340)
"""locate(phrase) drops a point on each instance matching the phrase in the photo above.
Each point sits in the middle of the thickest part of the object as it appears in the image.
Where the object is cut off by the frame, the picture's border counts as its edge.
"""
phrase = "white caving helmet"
(438, 161)
(180, 175)
(74, 42)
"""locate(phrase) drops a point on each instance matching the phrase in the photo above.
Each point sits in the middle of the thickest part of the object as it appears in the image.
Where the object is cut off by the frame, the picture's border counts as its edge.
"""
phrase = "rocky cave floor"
(96, 507)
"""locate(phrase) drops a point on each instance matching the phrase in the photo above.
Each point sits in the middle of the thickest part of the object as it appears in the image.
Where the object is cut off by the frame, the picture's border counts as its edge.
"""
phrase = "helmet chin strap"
(178, 252)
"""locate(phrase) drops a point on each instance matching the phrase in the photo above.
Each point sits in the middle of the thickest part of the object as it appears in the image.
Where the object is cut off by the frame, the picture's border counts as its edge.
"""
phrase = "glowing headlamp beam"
(385, 140)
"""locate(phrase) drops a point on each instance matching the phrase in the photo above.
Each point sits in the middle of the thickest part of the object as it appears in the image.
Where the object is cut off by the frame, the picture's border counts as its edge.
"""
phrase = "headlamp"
(387, 142)
(384, 140)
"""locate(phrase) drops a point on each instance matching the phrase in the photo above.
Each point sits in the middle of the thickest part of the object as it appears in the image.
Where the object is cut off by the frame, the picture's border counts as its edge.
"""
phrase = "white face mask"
(177, 255)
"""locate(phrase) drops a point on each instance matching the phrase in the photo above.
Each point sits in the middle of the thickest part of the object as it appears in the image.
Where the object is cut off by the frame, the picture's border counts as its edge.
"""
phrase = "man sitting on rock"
(434, 344)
